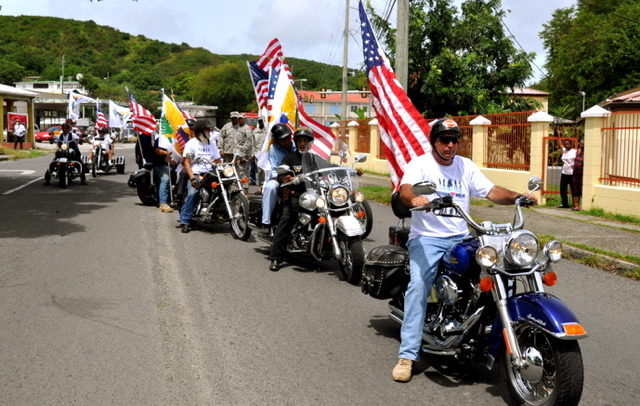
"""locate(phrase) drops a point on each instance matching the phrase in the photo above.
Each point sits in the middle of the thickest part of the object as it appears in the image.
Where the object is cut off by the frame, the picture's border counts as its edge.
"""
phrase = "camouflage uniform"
(258, 139)
(243, 150)
(227, 140)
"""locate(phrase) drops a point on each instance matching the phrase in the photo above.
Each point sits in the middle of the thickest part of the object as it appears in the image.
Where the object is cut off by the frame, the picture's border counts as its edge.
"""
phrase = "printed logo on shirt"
(453, 188)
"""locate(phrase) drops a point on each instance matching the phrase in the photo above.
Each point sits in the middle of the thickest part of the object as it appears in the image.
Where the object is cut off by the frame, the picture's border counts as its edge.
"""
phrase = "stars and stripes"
(403, 130)
(143, 120)
(101, 120)
(260, 80)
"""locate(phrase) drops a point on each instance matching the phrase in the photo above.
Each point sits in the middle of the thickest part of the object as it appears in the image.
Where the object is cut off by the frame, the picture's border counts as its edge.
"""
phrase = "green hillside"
(110, 59)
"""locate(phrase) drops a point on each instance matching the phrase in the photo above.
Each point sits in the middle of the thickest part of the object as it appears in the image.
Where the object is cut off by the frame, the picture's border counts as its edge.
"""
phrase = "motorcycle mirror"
(283, 169)
(534, 184)
(361, 158)
(424, 188)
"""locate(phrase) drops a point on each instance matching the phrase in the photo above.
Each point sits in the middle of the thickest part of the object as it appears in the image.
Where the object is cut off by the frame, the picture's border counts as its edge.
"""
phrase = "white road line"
(23, 186)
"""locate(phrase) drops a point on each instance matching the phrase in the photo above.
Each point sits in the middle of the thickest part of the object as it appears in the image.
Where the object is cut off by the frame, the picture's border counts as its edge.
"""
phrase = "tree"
(460, 63)
(591, 48)
(10, 72)
(226, 85)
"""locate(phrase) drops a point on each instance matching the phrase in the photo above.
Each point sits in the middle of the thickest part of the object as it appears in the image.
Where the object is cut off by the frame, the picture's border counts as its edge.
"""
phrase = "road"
(104, 302)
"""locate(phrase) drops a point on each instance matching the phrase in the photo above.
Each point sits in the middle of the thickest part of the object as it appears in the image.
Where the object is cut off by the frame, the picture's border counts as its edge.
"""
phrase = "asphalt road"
(104, 302)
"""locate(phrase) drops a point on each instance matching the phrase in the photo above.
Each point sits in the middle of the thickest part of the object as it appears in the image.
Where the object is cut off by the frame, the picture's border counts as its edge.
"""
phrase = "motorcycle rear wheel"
(562, 371)
(147, 194)
(352, 261)
(239, 220)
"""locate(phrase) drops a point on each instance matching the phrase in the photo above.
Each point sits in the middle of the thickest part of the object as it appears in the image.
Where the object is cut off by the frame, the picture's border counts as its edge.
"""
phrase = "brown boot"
(402, 371)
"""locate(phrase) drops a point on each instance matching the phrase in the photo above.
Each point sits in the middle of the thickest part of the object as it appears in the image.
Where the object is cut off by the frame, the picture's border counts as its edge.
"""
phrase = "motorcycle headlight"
(228, 171)
(486, 256)
(64, 147)
(339, 195)
(321, 203)
(522, 248)
(308, 200)
(553, 250)
(96, 143)
(358, 197)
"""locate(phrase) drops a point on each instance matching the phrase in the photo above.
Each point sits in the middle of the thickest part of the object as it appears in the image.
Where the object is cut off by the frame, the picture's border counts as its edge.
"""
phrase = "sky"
(307, 29)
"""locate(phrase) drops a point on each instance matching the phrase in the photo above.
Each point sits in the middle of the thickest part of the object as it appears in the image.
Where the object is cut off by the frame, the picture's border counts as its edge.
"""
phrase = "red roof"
(335, 96)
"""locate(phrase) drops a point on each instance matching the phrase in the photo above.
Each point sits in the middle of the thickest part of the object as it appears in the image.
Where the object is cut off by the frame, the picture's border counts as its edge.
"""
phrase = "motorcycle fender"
(350, 226)
(62, 160)
(119, 160)
(542, 310)
(141, 176)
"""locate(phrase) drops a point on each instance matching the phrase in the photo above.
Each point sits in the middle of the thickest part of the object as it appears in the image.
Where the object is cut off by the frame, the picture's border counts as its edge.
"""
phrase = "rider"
(105, 141)
(303, 138)
(200, 146)
(281, 146)
(434, 233)
(162, 161)
(66, 136)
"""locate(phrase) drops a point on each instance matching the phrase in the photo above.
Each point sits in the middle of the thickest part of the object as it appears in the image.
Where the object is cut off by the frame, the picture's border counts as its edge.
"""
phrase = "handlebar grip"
(439, 203)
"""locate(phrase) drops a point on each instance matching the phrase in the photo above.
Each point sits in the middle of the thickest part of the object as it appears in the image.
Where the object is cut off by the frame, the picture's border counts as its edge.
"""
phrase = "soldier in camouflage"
(227, 137)
(243, 148)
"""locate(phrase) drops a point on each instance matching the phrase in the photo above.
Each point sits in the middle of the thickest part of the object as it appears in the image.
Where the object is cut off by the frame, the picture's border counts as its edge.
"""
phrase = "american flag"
(143, 120)
(324, 137)
(272, 57)
(101, 120)
(260, 81)
(404, 132)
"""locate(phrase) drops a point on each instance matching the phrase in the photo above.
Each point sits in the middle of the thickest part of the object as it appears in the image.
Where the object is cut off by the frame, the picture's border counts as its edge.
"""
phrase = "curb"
(609, 264)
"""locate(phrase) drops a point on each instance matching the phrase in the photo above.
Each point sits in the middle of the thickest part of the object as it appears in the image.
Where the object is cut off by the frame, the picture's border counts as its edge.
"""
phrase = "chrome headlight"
(358, 197)
(486, 256)
(228, 172)
(64, 147)
(96, 143)
(339, 195)
(304, 218)
(553, 250)
(522, 248)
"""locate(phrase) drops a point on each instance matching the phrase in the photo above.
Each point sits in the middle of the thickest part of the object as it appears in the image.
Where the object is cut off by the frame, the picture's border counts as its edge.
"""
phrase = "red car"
(49, 133)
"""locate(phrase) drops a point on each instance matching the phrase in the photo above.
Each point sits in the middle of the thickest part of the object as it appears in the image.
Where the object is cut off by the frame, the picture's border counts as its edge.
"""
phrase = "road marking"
(22, 171)
(23, 186)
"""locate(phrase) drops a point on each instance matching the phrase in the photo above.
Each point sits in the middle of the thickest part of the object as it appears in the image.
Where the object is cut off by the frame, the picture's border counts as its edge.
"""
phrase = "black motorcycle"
(65, 166)
(100, 160)
(147, 185)
(488, 303)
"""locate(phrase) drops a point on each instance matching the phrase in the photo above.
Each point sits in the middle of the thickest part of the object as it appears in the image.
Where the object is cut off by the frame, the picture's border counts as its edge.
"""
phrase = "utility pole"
(345, 62)
(62, 77)
(402, 43)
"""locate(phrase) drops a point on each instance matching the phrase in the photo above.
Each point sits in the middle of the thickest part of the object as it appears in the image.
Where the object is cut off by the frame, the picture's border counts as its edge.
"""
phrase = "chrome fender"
(349, 225)
(542, 310)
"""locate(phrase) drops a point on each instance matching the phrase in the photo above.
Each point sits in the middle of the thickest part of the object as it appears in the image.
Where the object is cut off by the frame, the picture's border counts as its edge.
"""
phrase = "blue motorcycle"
(488, 302)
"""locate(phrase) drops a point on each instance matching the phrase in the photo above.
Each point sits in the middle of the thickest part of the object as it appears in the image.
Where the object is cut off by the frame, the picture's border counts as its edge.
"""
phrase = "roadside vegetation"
(15, 154)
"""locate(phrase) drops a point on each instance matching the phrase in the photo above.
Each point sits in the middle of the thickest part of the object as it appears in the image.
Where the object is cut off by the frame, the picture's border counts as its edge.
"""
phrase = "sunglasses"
(447, 140)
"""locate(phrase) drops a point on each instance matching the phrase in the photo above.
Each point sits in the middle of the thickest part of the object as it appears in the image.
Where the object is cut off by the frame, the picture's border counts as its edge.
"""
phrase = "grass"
(15, 154)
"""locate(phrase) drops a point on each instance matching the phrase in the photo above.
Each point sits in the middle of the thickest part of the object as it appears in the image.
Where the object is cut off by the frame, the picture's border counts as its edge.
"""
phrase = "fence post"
(593, 123)
(537, 161)
(374, 140)
(353, 135)
(477, 153)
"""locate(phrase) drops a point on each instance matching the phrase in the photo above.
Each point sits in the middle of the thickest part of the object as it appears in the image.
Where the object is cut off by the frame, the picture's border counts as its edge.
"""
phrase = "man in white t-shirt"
(20, 131)
(200, 146)
(566, 179)
(434, 233)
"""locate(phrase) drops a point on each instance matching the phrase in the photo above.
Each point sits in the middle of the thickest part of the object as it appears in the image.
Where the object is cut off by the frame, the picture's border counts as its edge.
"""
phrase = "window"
(334, 109)
(310, 108)
(40, 85)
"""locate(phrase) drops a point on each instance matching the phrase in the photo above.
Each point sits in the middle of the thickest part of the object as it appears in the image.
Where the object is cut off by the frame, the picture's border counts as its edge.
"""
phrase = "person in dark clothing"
(303, 138)
(71, 139)
(578, 171)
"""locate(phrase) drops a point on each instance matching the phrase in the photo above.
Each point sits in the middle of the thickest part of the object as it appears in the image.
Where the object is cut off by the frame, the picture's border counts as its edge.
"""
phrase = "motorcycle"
(488, 302)
(328, 225)
(147, 185)
(100, 161)
(221, 198)
(65, 165)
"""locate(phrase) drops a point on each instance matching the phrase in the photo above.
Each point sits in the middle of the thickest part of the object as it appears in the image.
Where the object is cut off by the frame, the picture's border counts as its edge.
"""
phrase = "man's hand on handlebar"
(420, 201)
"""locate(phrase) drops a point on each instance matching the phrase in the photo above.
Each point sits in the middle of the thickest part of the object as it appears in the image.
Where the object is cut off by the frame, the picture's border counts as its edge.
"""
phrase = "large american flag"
(101, 120)
(143, 120)
(404, 132)
(260, 81)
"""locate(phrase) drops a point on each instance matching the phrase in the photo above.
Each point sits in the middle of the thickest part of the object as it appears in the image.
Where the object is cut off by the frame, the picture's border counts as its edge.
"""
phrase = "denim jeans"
(186, 212)
(424, 256)
(163, 173)
(269, 198)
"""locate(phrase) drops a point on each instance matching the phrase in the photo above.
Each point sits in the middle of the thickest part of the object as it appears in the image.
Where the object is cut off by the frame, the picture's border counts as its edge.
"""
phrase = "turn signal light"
(245, 180)
(550, 278)
(322, 220)
(574, 329)
(486, 284)
(214, 185)
(361, 214)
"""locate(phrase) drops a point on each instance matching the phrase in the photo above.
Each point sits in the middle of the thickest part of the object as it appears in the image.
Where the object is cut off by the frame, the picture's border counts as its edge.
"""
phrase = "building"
(323, 106)
(536, 95)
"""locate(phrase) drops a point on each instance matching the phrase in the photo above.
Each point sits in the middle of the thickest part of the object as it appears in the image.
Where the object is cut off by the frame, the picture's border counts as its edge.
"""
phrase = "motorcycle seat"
(399, 209)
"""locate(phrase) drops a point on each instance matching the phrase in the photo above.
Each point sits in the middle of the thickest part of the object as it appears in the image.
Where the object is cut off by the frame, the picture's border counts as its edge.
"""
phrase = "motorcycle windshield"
(326, 175)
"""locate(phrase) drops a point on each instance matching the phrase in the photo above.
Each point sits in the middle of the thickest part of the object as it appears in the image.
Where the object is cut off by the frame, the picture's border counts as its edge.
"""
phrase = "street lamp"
(583, 95)
(300, 80)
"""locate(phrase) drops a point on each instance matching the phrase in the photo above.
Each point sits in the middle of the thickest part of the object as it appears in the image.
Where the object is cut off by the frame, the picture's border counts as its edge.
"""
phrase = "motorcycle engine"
(447, 290)
(204, 194)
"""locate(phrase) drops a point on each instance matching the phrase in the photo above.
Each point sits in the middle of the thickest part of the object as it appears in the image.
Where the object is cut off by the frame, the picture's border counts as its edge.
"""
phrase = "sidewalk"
(571, 227)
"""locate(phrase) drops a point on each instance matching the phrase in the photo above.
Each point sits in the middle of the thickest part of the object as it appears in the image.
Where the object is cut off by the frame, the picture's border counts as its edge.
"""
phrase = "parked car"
(53, 131)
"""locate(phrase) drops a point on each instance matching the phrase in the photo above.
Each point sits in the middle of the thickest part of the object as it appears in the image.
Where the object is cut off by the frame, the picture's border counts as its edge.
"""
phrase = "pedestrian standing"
(566, 179)
(19, 131)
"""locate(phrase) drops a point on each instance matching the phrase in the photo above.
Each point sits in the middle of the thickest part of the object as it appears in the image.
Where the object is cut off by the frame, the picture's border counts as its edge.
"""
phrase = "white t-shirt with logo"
(460, 180)
(208, 151)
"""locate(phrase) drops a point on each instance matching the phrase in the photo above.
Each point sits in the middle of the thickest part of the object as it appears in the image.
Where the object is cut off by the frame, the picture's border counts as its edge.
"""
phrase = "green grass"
(22, 154)
(379, 194)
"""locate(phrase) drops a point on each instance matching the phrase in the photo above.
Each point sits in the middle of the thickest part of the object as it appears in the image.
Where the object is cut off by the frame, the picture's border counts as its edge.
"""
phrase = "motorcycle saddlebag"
(399, 236)
(385, 272)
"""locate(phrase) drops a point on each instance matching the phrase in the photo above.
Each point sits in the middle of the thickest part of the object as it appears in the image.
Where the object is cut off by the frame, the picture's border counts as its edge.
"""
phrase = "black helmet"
(442, 126)
(190, 122)
(103, 129)
(305, 132)
(202, 125)
(280, 131)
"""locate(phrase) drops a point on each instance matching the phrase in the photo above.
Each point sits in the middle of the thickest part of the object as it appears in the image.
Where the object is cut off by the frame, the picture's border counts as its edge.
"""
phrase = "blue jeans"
(424, 256)
(164, 175)
(269, 198)
(186, 212)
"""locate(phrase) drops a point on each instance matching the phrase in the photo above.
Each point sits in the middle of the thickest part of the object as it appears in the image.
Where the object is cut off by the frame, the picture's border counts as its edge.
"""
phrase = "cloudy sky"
(307, 29)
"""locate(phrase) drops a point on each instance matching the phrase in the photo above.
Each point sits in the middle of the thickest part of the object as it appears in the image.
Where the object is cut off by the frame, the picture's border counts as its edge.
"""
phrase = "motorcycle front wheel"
(367, 220)
(147, 194)
(556, 379)
(239, 219)
(62, 176)
(352, 260)
(94, 166)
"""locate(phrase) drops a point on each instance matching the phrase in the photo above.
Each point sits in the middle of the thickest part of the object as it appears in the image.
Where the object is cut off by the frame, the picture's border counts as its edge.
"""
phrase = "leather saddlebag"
(385, 272)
